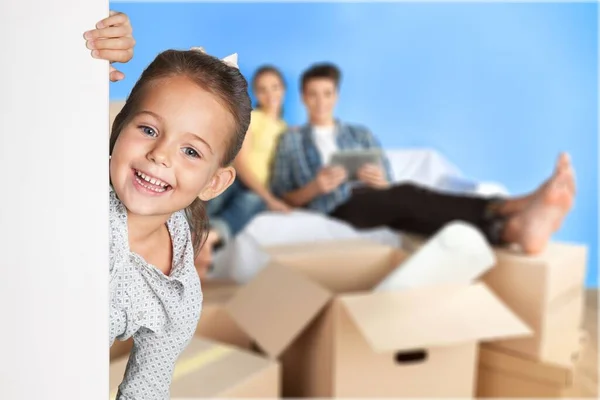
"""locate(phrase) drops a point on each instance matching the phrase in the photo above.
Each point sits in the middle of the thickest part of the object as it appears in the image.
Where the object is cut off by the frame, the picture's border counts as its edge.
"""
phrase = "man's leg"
(418, 210)
(415, 209)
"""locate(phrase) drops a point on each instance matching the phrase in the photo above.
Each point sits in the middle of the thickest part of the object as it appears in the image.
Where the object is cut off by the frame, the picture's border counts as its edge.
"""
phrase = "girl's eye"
(148, 131)
(191, 152)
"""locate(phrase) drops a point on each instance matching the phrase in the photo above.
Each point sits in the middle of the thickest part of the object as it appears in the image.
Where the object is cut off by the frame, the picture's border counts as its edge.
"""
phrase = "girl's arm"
(112, 40)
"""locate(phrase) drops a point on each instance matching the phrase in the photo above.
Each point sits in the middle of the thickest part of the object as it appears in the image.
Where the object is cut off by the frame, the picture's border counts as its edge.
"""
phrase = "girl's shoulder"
(180, 231)
(118, 240)
(178, 220)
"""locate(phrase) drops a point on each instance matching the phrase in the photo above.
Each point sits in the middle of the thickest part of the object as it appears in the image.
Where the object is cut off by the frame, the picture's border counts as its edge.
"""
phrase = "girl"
(250, 194)
(171, 147)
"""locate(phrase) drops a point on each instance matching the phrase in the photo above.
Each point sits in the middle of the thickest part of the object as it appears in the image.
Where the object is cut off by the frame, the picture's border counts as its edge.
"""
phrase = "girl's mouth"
(150, 183)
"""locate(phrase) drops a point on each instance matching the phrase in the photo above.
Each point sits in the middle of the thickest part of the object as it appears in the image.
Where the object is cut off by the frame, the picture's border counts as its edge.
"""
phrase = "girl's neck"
(142, 228)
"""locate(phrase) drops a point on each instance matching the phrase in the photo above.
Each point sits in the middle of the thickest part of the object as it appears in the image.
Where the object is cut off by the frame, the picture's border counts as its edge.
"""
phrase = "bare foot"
(562, 167)
(204, 258)
(533, 227)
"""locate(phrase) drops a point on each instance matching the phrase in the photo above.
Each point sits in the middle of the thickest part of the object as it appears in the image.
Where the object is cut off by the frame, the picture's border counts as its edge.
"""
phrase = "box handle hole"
(411, 357)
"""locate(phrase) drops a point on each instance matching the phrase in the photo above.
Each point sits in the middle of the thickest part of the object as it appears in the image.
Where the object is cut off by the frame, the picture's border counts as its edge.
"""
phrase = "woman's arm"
(304, 195)
(244, 172)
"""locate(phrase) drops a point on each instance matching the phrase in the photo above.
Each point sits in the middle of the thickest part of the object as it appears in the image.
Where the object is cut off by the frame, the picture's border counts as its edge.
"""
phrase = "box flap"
(510, 363)
(276, 306)
(340, 265)
(432, 316)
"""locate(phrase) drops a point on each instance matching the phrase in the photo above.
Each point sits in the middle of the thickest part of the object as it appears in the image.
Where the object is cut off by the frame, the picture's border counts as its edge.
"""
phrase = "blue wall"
(500, 89)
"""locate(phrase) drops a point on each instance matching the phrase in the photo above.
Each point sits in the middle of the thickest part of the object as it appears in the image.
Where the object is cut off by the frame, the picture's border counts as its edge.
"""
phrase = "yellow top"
(264, 134)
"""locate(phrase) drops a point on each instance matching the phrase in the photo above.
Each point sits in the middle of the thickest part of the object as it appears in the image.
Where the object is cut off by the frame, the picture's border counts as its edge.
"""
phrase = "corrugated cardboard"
(215, 323)
(120, 348)
(313, 307)
(207, 369)
(504, 373)
(547, 292)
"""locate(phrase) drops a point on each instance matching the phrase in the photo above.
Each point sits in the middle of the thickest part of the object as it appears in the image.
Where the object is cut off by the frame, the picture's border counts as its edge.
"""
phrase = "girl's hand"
(112, 40)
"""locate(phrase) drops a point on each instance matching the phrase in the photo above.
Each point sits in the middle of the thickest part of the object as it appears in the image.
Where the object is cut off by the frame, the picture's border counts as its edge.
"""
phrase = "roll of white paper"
(457, 253)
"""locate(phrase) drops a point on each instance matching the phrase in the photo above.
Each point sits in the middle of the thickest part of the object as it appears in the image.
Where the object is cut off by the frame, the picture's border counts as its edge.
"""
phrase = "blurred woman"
(250, 194)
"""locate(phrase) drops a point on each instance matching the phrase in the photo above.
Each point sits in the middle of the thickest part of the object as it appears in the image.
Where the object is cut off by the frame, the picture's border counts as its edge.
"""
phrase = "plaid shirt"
(297, 161)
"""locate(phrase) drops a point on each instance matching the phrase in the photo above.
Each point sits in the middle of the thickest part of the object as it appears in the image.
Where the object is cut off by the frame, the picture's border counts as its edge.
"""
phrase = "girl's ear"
(222, 179)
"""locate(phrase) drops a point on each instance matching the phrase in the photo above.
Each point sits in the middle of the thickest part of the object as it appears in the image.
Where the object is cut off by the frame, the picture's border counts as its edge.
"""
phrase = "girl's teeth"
(158, 190)
(153, 181)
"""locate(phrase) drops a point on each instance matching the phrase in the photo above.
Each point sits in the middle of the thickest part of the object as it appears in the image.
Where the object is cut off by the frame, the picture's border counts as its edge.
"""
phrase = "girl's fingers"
(116, 76)
(123, 43)
(115, 18)
(110, 32)
(121, 56)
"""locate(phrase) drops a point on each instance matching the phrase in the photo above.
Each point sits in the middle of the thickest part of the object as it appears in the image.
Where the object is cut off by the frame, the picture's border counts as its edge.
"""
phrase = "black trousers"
(415, 209)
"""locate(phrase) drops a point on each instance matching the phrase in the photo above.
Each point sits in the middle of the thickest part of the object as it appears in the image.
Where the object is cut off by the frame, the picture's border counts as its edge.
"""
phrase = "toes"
(564, 160)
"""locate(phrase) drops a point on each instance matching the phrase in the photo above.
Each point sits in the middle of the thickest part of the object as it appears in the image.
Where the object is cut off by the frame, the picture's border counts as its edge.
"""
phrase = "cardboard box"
(503, 373)
(548, 292)
(208, 369)
(313, 308)
(121, 349)
(215, 322)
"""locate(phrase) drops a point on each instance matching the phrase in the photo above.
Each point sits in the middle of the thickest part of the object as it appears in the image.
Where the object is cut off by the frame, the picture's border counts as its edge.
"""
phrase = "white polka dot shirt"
(160, 312)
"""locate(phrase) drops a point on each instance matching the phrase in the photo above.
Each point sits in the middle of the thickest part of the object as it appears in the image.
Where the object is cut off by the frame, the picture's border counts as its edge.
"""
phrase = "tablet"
(353, 160)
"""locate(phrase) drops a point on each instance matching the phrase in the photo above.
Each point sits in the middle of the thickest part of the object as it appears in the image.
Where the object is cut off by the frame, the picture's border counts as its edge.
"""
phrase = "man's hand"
(330, 178)
(373, 176)
(112, 40)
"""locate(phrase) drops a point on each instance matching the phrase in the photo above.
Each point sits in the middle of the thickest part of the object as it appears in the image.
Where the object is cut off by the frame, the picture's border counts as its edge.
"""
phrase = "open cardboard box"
(208, 369)
(546, 291)
(215, 322)
(312, 307)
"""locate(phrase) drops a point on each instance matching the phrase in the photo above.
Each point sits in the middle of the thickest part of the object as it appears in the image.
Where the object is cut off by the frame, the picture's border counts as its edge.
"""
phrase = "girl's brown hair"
(211, 74)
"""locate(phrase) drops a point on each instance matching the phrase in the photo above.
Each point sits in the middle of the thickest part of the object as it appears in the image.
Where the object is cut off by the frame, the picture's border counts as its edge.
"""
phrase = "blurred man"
(302, 177)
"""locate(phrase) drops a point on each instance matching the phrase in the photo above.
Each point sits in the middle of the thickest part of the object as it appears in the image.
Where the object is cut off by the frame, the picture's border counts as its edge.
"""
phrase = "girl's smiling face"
(170, 151)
